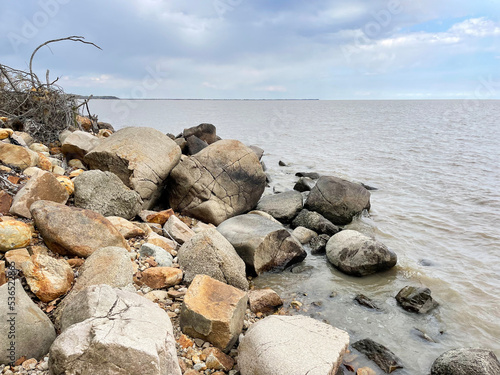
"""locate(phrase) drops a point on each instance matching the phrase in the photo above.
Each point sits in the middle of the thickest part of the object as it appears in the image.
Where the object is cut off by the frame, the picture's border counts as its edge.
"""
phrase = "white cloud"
(476, 27)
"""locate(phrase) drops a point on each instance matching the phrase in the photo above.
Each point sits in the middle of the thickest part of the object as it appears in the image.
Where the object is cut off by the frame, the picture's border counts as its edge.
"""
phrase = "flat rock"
(110, 331)
(213, 311)
(74, 231)
(304, 235)
(178, 230)
(315, 221)
(34, 332)
(284, 345)
(14, 234)
(283, 206)
(77, 144)
(41, 186)
(105, 193)
(209, 253)
(264, 300)
(262, 244)
(125, 227)
(17, 156)
(141, 157)
(161, 277)
(383, 357)
(338, 200)
(358, 255)
(223, 180)
(416, 299)
(466, 361)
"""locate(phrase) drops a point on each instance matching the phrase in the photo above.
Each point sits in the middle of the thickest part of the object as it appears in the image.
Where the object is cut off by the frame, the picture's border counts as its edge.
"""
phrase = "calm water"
(436, 164)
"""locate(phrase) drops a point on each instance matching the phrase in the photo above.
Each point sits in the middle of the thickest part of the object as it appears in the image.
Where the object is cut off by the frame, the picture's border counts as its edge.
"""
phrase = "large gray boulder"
(466, 361)
(221, 181)
(338, 200)
(30, 329)
(356, 254)
(105, 193)
(263, 244)
(209, 253)
(285, 345)
(110, 331)
(141, 157)
(283, 206)
(315, 222)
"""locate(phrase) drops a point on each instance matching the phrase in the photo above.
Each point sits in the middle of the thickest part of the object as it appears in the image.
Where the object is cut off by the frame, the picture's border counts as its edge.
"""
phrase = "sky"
(251, 49)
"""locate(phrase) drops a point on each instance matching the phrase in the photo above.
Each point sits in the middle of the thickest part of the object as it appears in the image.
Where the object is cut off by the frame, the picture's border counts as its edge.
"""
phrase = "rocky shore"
(134, 252)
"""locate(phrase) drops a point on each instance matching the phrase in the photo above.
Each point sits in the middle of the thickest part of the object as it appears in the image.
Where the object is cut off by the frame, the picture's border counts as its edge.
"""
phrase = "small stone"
(29, 364)
(161, 277)
(160, 217)
(185, 342)
(383, 357)
(178, 230)
(416, 299)
(14, 234)
(304, 235)
(365, 371)
(160, 255)
(318, 244)
(264, 300)
(217, 360)
(5, 202)
(66, 182)
(201, 366)
(365, 301)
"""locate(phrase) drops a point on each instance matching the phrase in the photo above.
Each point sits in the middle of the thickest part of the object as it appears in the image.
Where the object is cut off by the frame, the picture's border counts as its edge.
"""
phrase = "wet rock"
(368, 187)
(304, 184)
(315, 221)
(178, 230)
(74, 231)
(34, 332)
(41, 186)
(383, 357)
(338, 200)
(14, 235)
(466, 361)
(283, 206)
(356, 254)
(213, 311)
(223, 180)
(117, 332)
(262, 244)
(311, 175)
(5, 202)
(141, 157)
(161, 256)
(304, 235)
(77, 144)
(17, 156)
(161, 277)
(282, 163)
(280, 345)
(365, 301)
(47, 277)
(105, 193)
(416, 299)
(195, 145)
(156, 217)
(125, 227)
(209, 253)
(265, 301)
(318, 244)
(205, 132)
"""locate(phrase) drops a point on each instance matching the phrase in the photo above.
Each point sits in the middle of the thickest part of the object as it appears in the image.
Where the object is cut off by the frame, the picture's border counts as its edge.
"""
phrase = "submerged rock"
(466, 361)
(416, 299)
(365, 301)
(383, 357)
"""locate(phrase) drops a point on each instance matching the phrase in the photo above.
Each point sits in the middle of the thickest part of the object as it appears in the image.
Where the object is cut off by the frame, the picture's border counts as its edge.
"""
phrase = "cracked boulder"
(141, 157)
(338, 200)
(264, 245)
(355, 254)
(221, 181)
(283, 345)
(209, 253)
(105, 193)
(111, 331)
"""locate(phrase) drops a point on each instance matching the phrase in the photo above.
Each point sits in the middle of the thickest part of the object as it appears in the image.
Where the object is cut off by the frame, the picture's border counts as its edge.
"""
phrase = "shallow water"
(436, 165)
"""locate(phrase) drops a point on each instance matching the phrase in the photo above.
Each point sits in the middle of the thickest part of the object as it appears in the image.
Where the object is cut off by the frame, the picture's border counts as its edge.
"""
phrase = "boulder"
(209, 253)
(205, 132)
(47, 277)
(338, 200)
(264, 300)
(383, 357)
(125, 227)
(358, 255)
(14, 235)
(110, 331)
(213, 311)
(17, 156)
(318, 244)
(74, 231)
(304, 184)
(178, 230)
(161, 256)
(283, 206)
(223, 180)
(304, 235)
(33, 330)
(466, 361)
(261, 243)
(195, 144)
(314, 221)
(284, 345)
(416, 299)
(141, 157)
(105, 193)
(41, 186)
(77, 144)
(161, 277)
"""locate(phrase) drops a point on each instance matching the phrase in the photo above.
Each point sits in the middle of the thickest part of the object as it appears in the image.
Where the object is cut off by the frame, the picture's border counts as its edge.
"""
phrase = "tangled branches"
(43, 109)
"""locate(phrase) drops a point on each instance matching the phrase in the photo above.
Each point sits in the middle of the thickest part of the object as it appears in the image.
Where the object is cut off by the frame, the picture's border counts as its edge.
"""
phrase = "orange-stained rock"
(66, 182)
(17, 156)
(5, 202)
(6, 133)
(47, 277)
(14, 179)
(155, 217)
(164, 243)
(14, 235)
(125, 227)
(76, 262)
(42, 185)
(55, 150)
(17, 257)
(76, 173)
(161, 277)
(84, 122)
(264, 300)
(365, 371)
(185, 342)
(44, 162)
(3, 276)
(213, 311)
(74, 231)
(217, 360)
